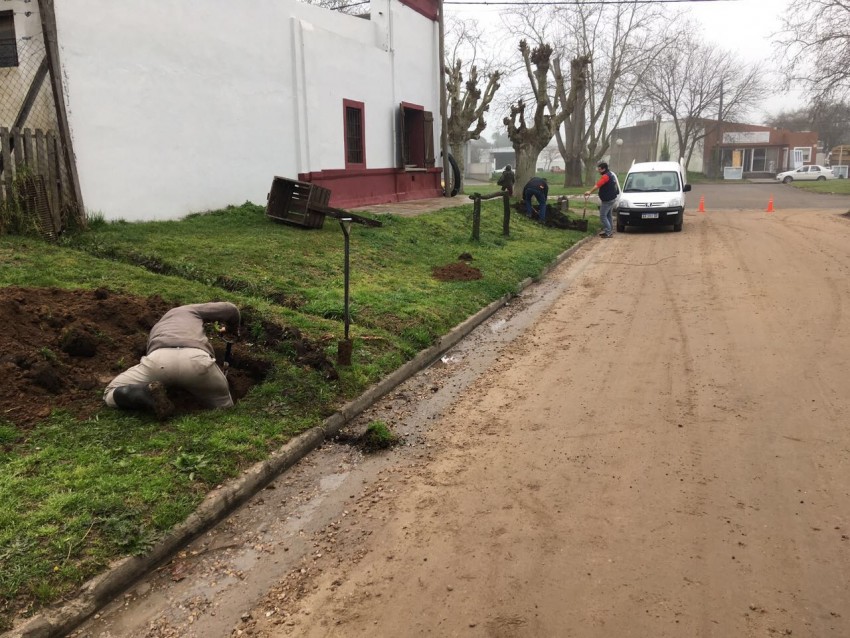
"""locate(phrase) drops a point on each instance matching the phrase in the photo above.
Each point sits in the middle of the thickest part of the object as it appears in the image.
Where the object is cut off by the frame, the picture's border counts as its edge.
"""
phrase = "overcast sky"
(747, 27)
(742, 26)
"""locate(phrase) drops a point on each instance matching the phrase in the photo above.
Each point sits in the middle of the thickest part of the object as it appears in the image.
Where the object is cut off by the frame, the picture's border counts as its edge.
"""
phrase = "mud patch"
(59, 349)
(461, 271)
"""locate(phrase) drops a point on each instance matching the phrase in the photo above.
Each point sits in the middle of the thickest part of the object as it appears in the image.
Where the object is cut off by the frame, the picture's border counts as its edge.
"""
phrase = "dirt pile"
(460, 271)
(59, 349)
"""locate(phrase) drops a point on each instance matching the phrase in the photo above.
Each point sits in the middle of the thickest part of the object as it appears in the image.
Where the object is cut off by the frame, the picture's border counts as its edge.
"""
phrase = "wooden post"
(5, 140)
(51, 46)
(506, 221)
(29, 158)
(53, 175)
(20, 160)
(476, 216)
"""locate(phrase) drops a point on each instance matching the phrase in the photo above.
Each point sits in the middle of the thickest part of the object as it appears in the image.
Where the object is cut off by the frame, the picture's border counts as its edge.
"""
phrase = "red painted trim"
(351, 188)
(428, 8)
(411, 105)
(361, 106)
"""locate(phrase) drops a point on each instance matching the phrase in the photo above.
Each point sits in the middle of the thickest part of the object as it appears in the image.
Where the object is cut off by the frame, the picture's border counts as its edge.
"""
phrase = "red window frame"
(354, 132)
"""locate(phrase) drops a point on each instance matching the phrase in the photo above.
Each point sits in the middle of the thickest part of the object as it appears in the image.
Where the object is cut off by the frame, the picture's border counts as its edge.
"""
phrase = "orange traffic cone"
(702, 203)
(770, 205)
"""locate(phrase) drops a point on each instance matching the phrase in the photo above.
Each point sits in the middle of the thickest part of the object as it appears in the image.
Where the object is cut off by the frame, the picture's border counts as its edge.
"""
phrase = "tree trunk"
(458, 154)
(526, 167)
(572, 171)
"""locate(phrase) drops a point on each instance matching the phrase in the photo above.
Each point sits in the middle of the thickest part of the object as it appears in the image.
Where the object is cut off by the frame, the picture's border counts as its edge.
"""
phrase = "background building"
(192, 105)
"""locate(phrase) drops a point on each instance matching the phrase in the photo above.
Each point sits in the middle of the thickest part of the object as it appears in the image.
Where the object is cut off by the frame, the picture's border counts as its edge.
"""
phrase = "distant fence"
(32, 176)
(37, 174)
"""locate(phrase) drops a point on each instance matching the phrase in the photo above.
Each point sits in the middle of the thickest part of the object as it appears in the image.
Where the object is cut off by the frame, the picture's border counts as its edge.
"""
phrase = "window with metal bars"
(355, 143)
(8, 42)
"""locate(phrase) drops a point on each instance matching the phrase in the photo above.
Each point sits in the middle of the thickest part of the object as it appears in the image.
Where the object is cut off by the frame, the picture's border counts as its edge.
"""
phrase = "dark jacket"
(608, 191)
(537, 184)
(507, 179)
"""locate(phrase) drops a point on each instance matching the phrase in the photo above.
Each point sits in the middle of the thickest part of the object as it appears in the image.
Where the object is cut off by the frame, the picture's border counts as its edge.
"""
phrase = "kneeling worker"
(178, 355)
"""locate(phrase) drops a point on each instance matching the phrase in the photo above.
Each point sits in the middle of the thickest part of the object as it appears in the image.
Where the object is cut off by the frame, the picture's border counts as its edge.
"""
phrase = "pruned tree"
(467, 102)
(467, 106)
(626, 40)
(702, 84)
(816, 38)
(551, 105)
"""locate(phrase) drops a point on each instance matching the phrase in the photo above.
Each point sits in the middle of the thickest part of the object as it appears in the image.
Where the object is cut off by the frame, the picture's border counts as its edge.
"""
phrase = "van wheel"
(821, 178)
(621, 228)
(677, 228)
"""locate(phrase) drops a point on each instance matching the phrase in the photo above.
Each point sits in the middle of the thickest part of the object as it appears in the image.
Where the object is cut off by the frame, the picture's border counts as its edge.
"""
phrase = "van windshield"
(652, 182)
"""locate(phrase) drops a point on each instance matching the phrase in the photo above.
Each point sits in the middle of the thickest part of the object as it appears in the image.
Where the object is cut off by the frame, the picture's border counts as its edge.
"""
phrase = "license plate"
(649, 216)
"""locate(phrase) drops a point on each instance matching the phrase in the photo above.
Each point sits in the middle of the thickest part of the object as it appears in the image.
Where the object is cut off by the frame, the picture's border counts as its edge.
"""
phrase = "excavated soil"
(461, 271)
(59, 349)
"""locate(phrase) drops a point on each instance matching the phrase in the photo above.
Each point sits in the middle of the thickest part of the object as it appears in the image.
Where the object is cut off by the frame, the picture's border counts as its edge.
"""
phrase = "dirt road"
(653, 443)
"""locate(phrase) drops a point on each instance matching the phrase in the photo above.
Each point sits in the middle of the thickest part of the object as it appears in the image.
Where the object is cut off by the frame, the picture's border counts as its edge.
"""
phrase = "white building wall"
(668, 128)
(192, 105)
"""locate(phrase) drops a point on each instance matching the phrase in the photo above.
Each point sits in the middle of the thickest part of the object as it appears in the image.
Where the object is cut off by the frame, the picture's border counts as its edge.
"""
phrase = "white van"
(653, 194)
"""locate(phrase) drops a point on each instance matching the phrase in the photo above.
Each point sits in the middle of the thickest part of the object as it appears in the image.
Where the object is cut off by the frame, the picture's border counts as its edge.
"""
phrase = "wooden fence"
(32, 175)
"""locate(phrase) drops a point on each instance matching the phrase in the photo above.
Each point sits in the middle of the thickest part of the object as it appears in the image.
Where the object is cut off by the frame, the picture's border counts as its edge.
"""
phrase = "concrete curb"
(219, 503)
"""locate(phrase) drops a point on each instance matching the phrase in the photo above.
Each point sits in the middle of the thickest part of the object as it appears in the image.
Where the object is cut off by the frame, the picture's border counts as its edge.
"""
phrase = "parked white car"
(653, 194)
(812, 172)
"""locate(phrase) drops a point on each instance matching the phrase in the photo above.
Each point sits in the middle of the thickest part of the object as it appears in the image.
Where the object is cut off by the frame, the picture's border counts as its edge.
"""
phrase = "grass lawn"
(76, 494)
(830, 186)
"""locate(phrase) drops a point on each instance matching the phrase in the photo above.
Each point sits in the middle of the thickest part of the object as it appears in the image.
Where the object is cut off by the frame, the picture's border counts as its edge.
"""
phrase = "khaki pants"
(191, 369)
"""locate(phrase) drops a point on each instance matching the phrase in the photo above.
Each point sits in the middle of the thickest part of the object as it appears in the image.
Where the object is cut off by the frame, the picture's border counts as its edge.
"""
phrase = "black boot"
(150, 397)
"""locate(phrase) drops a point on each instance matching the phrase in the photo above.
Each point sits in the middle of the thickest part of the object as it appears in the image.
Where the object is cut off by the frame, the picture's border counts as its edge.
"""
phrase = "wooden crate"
(297, 203)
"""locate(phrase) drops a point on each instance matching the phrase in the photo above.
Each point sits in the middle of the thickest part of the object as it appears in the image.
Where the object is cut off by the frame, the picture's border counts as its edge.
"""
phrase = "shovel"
(584, 210)
(227, 356)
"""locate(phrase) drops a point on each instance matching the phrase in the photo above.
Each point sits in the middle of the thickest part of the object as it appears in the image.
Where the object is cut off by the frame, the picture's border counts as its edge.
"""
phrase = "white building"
(191, 105)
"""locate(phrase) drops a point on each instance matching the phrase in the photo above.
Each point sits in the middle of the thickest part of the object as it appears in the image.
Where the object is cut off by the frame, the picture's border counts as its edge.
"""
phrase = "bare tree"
(698, 84)
(466, 101)
(548, 111)
(625, 40)
(831, 120)
(351, 7)
(816, 38)
(548, 155)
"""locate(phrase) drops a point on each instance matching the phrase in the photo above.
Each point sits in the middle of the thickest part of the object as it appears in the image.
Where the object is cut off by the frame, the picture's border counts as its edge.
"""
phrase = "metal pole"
(476, 217)
(506, 221)
(720, 135)
(345, 224)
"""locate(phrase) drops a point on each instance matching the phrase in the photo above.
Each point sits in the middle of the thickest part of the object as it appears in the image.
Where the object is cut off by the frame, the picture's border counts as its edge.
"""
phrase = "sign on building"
(746, 137)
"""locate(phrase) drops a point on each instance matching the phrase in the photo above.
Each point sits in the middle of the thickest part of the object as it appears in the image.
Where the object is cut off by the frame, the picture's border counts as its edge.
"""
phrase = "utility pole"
(720, 134)
(444, 124)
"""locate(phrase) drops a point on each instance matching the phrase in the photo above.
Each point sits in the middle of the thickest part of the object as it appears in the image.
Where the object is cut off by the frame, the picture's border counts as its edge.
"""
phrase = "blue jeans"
(541, 201)
(606, 216)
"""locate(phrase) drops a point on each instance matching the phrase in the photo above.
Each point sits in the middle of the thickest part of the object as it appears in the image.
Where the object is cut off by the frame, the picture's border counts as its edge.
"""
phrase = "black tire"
(821, 178)
(455, 176)
(677, 228)
(788, 179)
(621, 228)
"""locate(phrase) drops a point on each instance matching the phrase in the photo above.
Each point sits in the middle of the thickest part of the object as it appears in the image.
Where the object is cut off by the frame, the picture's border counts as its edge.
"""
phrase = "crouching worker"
(537, 188)
(178, 355)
